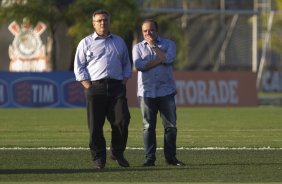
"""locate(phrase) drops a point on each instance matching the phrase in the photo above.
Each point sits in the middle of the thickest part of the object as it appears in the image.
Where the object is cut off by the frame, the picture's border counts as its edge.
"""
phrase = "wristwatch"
(154, 46)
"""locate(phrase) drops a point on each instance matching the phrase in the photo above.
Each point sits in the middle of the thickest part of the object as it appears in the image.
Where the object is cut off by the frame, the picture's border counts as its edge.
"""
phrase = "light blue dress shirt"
(98, 58)
(157, 81)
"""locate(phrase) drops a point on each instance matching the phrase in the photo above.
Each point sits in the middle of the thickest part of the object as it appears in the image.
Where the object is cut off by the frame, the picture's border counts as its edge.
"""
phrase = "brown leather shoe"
(99, 164)
(120, 160)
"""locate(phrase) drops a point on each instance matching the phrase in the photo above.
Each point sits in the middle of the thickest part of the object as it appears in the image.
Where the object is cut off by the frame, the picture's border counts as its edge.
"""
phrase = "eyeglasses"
(100, 21)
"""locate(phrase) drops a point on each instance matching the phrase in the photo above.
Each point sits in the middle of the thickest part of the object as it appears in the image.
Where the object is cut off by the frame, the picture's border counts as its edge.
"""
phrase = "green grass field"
(197, 128)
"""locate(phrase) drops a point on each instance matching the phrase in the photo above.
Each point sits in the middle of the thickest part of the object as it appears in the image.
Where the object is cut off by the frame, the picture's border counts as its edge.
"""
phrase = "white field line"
(140, 148)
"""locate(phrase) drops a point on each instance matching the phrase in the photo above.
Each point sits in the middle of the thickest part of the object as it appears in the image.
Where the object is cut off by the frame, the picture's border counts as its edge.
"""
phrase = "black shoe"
(149, 163)
(120, 160)
(99, 164)
(175, 162)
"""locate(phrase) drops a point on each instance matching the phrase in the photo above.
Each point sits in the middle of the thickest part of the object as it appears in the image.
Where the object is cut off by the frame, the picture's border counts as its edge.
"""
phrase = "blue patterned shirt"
(157, 81)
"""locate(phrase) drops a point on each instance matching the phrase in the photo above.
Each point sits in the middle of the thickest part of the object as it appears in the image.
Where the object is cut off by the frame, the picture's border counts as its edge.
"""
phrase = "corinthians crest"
(27, 53)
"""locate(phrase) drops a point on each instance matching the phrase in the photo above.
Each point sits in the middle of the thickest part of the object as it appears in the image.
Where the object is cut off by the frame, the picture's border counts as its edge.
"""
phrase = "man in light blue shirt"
(98, 58)
(153, 58)
(103, 67)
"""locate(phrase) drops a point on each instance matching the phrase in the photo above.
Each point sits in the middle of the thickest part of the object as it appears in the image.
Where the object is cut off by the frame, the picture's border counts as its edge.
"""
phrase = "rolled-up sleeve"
(140, 62)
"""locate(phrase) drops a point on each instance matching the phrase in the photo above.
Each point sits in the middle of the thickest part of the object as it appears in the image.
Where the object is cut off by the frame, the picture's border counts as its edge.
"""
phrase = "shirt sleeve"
(139, 62)
(127, 70)
(170, 52)
(80, 63)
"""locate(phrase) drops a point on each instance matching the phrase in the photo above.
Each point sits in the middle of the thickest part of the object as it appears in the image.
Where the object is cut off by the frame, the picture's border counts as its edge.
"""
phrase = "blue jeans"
(167, 108)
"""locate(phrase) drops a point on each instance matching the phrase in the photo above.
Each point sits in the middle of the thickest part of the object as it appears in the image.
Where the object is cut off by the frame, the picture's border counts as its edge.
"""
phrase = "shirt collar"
(96, 36)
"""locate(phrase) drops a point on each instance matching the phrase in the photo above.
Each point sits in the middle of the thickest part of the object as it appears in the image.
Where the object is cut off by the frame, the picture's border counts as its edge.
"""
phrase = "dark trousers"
(107, 99)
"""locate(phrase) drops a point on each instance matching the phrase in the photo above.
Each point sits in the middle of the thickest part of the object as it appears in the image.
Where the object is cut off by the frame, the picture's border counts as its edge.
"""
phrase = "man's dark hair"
(101, 12)
(151, 20)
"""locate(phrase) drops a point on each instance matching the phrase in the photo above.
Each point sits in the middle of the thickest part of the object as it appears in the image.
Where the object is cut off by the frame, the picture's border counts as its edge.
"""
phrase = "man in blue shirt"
(153, 58)
(102, 65)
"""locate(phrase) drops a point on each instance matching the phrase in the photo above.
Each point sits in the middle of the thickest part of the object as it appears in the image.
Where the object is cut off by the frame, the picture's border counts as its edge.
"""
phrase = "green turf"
(202, 166)
(197, 127)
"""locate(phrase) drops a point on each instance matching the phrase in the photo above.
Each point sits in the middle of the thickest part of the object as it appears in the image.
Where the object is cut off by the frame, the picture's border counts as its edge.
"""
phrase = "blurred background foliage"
(126, 17)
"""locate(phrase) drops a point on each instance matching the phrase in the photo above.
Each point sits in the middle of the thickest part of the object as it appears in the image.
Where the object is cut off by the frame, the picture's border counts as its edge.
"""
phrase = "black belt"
(107, 80)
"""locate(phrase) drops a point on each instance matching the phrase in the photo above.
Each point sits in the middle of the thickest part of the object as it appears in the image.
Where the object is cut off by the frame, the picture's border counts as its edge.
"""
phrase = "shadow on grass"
(120, 169)
(238, 164)
(73, 171)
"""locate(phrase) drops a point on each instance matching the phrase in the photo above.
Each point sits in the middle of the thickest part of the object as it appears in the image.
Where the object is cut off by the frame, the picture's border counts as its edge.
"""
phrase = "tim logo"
(73, 94)
(3, 94)
(35, 93)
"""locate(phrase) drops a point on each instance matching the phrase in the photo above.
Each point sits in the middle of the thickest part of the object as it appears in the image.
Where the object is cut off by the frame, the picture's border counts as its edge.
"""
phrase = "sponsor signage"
(59, 89)
(73, 93)
(217, 92)
(216, 89)
(35, 92)
(4, 98)
(47, 89)
(210, 89)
